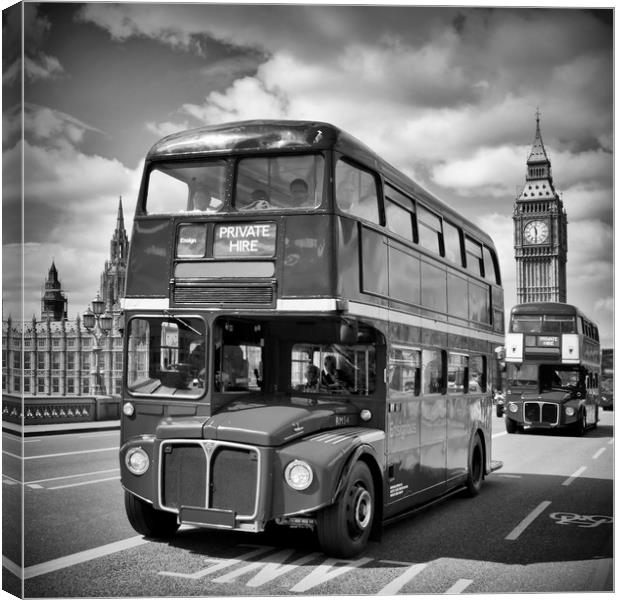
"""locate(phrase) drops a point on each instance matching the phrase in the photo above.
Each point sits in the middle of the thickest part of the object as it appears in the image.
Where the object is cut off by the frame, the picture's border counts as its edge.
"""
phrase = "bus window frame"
(149, 317)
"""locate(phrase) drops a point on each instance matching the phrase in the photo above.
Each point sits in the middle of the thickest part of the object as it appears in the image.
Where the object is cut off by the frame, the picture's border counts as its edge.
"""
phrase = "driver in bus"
(332, 377)
(312, 375)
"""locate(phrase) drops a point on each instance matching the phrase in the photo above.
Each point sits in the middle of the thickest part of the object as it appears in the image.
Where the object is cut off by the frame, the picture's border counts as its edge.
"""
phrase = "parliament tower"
(540, 231)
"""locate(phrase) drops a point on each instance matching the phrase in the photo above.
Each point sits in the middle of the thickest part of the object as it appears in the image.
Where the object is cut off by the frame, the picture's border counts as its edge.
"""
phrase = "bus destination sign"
(245, 240)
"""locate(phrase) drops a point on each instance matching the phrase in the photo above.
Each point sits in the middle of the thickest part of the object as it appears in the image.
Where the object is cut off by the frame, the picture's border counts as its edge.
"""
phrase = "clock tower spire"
(540, 231)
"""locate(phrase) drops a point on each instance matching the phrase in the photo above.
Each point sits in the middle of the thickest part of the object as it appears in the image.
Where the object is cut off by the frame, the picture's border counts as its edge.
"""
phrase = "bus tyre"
(344, 527)
(147, 520)
(582, 424)
(512, 426)
(475, 471)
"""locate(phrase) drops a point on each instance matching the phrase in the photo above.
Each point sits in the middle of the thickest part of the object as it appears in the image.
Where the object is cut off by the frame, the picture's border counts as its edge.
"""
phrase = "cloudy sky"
(448, 95)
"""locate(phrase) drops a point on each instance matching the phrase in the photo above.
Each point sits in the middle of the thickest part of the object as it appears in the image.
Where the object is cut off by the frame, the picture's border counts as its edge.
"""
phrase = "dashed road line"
(598, 453)
(521, 527)
(71, 476)
(397, 584)
(574, 476)
(459, 586)
(80, 483)
(70, 453)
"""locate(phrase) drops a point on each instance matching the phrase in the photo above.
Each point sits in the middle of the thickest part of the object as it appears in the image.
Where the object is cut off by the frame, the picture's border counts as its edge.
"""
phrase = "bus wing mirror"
(348, 333)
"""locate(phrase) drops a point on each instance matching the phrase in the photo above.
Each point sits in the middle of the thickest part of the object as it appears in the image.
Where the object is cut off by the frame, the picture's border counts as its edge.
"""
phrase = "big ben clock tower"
(540, 232)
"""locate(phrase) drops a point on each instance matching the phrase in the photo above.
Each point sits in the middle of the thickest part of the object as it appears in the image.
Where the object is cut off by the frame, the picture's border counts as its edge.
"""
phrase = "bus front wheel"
(147, 520)
(344, 527)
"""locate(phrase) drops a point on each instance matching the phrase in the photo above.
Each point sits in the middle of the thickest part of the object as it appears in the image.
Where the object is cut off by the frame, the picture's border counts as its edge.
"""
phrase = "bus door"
(403, 422)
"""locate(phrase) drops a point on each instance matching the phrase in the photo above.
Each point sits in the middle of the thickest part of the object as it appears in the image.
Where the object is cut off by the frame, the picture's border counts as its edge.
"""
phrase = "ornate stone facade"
(54, 357)
(540, 232)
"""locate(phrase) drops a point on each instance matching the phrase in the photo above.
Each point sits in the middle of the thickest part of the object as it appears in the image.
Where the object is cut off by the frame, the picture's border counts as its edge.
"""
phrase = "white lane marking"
(68, 485)
(270, 567)
(80, 557)
(574, 476)
(397, 584)
(35, 486)
(326, 571)
(521, 527)
(220, 564)
(71, 476)
(70, 453)
(29, 441)
(599, 452)
(459, 586)
(499, 434)
(12, 567)
(509, 476)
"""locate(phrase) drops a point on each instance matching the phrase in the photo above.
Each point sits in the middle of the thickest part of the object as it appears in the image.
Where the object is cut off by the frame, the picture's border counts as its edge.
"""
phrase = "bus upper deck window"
(186, 188)
(279, 182)
(356, 192)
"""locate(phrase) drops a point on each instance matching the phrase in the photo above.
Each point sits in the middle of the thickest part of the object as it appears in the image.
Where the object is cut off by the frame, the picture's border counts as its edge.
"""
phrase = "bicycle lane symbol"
(584, 521)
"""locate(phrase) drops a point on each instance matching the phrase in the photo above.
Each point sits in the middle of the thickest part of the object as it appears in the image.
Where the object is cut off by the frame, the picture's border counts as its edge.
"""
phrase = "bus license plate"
(207, 516)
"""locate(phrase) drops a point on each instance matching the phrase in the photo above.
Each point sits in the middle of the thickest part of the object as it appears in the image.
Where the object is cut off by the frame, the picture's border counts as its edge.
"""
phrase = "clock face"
(536, 232)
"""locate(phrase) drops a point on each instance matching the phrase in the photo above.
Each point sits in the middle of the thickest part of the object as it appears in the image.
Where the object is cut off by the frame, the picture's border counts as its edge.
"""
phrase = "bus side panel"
(148, 269)
(307, 257)
(464, 413)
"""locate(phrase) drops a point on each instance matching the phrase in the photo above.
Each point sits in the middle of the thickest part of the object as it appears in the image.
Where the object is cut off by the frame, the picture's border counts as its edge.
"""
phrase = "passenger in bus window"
(299, 192)
(259, 200)
(202, 201)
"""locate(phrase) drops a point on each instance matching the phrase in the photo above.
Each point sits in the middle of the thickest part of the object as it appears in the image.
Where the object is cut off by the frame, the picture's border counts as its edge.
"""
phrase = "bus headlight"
(512, 407)
(298, 474)
(570, 411)
(365, 415)
(137, 461)
(128, 409)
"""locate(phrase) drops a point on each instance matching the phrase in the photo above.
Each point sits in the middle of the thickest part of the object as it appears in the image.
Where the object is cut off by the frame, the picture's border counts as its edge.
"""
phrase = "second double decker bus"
(553, 366)
(309, 338)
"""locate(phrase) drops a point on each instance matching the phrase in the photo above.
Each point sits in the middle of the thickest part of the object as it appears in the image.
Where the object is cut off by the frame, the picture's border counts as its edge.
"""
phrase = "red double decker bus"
(308, 338)
(553, 368)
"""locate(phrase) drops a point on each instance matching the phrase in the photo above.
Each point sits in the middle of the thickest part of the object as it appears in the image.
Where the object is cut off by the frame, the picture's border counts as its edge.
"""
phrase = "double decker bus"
(309, 338)
(553, 367)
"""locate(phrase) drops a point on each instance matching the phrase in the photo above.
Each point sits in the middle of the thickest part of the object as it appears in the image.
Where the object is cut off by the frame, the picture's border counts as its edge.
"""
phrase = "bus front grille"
(184, 476)
(541, 412)
(221, 294)
(224, 478)
(234, 479)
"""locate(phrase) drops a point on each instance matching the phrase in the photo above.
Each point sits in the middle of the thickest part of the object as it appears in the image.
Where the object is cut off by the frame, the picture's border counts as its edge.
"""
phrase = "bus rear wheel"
(344, 527)
(147, 520)
(476, 468)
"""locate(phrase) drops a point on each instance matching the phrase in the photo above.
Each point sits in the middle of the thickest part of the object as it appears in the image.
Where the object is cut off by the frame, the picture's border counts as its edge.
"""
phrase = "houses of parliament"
(58, 354)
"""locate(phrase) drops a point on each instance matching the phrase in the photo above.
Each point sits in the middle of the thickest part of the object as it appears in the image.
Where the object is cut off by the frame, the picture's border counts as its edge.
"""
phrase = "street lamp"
(98, 323)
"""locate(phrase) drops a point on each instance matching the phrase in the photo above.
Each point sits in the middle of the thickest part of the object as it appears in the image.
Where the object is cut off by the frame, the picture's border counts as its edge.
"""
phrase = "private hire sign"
(258, 239)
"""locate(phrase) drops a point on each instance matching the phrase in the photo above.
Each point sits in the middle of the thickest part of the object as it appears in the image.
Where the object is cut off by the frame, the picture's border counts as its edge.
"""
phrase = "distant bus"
(607, 379)
(553, 368)
(309, 338)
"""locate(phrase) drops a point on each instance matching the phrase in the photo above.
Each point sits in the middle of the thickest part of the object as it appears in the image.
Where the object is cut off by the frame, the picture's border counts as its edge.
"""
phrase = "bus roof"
(547, 308)
(295, 136)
